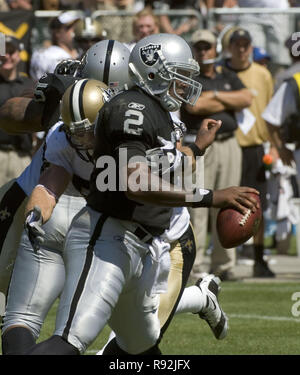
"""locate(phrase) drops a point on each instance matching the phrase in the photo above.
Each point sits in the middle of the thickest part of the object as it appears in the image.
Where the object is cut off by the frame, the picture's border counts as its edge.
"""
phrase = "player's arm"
(25, 115)
(21, 115)
(45, 195)
(157, 191)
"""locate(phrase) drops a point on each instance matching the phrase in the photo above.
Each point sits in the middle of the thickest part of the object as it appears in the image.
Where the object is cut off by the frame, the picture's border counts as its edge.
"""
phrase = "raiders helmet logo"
(149, 54)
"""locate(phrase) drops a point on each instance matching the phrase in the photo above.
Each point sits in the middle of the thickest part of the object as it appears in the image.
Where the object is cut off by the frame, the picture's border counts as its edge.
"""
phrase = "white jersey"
(30, 176)
(45, 60)
(61, 153)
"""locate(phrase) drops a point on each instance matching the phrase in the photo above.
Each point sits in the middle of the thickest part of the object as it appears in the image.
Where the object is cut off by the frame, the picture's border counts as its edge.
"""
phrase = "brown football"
(234, 228)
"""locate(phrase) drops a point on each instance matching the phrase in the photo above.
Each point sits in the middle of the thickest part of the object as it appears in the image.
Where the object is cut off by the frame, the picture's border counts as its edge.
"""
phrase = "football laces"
(245, 218)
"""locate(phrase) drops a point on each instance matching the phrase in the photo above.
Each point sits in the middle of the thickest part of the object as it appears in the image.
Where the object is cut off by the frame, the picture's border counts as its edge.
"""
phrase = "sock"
(192, 300)
(56, 345)
(17, 341)
(258, 253)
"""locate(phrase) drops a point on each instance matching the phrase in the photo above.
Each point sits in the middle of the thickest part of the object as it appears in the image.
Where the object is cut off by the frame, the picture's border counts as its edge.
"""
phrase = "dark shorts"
(253, 171)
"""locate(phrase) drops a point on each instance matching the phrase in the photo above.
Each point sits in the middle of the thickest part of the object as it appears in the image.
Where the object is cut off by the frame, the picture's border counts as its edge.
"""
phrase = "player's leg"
(12, 202)
(97, 270)
(37, 280)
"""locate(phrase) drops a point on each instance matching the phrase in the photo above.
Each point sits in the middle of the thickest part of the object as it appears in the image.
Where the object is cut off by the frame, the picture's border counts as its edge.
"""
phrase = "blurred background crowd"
(236, 34)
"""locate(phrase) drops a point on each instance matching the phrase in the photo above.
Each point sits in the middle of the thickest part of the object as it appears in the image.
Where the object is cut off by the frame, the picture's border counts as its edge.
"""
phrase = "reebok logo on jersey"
(137, 106)
(149, 54)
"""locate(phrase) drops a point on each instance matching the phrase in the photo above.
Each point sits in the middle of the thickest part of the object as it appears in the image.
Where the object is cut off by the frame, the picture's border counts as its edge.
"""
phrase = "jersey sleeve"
(58, 150)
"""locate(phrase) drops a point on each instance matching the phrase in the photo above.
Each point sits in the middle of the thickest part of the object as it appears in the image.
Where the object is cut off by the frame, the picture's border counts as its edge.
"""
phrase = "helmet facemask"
(81, 137)
(176, 84)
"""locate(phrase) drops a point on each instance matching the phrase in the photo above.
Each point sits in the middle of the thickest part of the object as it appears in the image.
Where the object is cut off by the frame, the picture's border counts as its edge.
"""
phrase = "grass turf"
(260, 322)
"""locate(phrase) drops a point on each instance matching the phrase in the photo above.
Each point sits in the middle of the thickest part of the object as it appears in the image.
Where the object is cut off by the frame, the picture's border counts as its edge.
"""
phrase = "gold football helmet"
(79, 108)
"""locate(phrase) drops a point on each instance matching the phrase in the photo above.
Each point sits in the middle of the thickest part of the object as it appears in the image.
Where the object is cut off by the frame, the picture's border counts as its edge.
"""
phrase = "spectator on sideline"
(182, 26)
(62, 33)
(268, 30)
(144, 23)
(15, 151)
(222, 94)
(253, 131)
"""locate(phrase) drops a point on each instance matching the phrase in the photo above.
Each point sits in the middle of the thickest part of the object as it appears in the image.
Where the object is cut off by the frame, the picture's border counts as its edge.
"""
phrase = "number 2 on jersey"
(133, 125)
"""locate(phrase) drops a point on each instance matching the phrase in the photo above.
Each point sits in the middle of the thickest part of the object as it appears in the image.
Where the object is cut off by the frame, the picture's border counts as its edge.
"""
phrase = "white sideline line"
(264, 317)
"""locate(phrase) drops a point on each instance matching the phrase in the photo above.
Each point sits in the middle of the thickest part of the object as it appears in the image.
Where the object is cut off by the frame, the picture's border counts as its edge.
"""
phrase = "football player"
(117, 278)
(67, 150)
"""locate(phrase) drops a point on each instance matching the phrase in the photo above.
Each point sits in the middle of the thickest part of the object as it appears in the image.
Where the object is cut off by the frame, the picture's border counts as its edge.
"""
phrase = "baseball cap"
(14, 42)
(260, 53)
(64, 19)
(203, 36)
(239, 34)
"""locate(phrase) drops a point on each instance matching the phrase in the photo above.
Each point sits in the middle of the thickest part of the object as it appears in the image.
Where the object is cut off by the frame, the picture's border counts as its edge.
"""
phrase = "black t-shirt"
(131, 121)
(10, 89)
(225, 80)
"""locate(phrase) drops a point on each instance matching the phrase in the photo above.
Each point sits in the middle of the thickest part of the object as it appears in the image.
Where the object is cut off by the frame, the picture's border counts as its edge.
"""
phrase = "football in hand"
(234, 228)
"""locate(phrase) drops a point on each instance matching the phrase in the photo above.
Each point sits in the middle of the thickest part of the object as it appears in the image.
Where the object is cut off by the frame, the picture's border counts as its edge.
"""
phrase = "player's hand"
(33, 227)
(236, 197)
(164, 159)
(51, 87)
(207, 133)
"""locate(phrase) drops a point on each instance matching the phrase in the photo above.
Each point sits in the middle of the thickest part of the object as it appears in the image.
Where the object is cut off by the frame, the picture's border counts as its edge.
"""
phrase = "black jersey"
(131, 121)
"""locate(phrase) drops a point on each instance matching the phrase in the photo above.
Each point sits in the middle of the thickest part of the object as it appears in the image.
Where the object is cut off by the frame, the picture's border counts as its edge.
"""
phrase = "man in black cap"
(15, 151)
(222, 94)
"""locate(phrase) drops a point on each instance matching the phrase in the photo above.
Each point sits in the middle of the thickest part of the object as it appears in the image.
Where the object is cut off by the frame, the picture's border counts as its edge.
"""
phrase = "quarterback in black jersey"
(118, 279)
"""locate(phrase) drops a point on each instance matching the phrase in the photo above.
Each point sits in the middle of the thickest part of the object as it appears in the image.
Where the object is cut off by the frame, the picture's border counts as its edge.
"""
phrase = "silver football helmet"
(163, 66)
(107, 61)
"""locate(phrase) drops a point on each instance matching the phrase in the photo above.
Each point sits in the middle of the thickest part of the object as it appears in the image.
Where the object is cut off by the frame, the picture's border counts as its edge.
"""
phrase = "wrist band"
(196, 150)
(207, 199)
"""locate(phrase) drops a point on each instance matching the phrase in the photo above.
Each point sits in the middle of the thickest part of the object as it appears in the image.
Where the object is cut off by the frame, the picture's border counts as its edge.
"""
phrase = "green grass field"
(260, 322)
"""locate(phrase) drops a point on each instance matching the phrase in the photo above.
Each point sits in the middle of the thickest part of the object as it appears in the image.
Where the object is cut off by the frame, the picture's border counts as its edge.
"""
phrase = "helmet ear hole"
(151, 75)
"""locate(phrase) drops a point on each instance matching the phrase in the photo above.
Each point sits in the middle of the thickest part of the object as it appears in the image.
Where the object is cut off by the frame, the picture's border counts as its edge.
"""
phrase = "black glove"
(51, 87)
(49, 90)
(33, 226)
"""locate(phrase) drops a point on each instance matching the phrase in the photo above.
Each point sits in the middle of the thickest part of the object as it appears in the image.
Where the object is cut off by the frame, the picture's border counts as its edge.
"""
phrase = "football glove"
(52, 86)
(33, 226)
(164, 159)
(49, 90)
